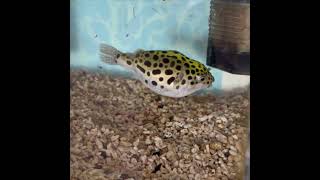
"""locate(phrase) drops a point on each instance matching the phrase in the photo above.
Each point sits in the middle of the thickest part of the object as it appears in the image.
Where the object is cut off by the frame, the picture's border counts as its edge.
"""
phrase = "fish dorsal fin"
(138, 51)
(133, 54)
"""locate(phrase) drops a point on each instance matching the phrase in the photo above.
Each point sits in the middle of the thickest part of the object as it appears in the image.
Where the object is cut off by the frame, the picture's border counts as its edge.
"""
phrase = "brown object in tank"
(229, 36)
(231, 27)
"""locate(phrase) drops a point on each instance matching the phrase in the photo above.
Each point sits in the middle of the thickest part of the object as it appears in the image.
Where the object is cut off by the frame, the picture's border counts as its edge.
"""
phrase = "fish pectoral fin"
(198, 78)
(179, 78)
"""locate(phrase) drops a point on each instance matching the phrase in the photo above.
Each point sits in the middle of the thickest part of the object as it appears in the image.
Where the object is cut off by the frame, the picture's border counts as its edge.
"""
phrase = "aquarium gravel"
(119, 129)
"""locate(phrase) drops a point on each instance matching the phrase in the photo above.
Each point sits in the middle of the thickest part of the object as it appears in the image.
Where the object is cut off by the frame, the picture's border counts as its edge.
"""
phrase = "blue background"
(129, 25)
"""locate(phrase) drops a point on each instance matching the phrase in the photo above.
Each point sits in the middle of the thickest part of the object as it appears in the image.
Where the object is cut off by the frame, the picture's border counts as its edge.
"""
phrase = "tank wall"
(142, 24)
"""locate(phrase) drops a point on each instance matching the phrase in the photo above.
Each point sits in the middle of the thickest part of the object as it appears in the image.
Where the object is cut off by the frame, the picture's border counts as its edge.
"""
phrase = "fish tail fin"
(109, 54)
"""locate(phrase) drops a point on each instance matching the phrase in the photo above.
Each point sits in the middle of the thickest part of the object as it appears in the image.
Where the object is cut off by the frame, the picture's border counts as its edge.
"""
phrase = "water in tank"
(158, 90)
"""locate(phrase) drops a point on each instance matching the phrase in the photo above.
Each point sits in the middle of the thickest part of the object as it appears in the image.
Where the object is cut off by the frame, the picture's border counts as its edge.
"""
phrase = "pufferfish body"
(166, 72)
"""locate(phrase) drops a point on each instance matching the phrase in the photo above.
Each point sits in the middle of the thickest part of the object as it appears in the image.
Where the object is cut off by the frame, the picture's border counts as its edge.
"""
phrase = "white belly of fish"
(172, 92)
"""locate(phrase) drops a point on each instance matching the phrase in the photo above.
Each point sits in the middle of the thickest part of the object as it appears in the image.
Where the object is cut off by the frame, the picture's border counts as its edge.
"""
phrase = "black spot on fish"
(136, 61)
(178, 67)
(151, 51)
(161, 87)
(176, 52)
(186, 65)
(165, 66)
(148, 73)
(137, 55)
(154, 83)
(192, 83)
(193, 66)
(161, 79)
(168, 72)
(170, 80)
(208, 82)
(177, 87)
(187, 71)
(160, 65)
(197, 70)
(178, 61)
(189, 77)
(202, 79)
(147, 55)
(192, 71)
(140, 60)
(147, 63)
(175, 57)
(172, 64)
(183, 81)
(198, 74)
(183, 58)
(155, 57)
(129, 62)
(141, 69)
(165, 60)
(118, 55)
(156, 71)
(164, 51)
(162, 55)
(155, 65)
(146, 81)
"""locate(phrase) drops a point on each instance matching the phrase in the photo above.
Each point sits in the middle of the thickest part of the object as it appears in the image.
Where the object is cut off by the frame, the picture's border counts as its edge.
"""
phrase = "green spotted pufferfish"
(166, 72)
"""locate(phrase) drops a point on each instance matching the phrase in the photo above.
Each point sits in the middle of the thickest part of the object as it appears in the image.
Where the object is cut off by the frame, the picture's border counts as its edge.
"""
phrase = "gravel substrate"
(122, 130)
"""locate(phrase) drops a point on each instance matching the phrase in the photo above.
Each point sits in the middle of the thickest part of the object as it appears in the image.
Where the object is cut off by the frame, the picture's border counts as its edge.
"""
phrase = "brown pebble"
(119, 128)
